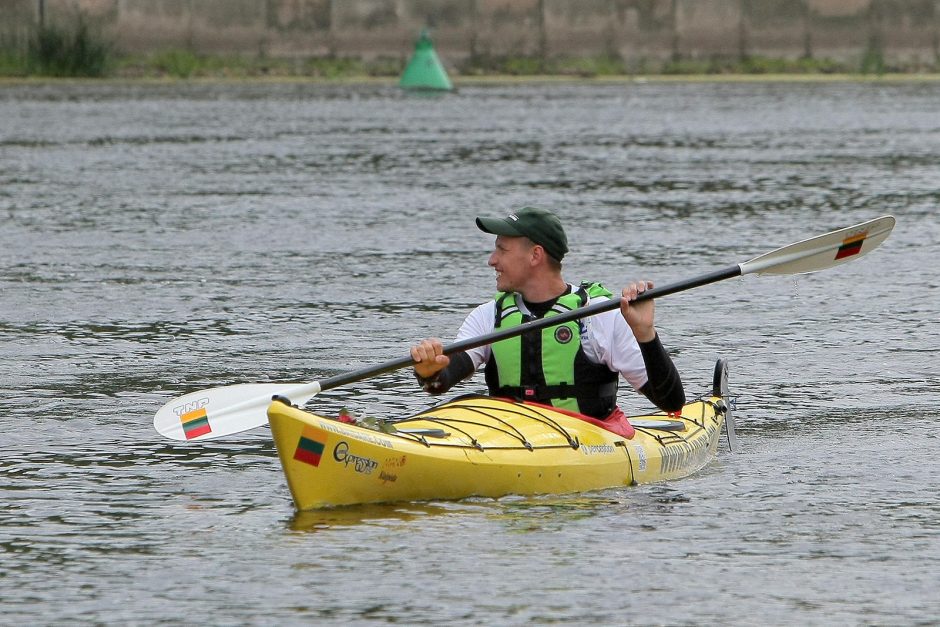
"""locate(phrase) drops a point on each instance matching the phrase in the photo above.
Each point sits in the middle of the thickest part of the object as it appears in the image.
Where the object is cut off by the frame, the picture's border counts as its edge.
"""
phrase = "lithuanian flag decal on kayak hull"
(310, 447)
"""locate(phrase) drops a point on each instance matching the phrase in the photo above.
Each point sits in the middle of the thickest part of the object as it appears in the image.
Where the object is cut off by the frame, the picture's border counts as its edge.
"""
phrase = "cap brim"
(497, 226)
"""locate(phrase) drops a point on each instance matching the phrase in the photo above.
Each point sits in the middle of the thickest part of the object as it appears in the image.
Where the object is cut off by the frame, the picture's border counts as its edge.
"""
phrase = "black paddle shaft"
(533, 325)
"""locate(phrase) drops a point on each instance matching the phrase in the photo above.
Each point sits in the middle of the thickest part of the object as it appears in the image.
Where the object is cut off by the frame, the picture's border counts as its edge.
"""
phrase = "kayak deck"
(483, 446)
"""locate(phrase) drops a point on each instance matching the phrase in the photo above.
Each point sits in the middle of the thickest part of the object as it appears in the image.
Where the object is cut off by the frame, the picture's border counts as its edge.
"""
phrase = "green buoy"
(424, 70)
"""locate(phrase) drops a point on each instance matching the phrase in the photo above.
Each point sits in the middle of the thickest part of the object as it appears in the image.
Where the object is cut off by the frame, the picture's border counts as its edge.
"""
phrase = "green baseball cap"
(541, 226)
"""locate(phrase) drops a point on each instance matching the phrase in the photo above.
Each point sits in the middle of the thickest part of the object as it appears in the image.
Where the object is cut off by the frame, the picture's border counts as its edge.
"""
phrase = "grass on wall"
(80, 51)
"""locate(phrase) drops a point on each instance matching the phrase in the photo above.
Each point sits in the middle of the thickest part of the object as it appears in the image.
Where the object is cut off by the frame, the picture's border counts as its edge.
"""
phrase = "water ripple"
(159, 239)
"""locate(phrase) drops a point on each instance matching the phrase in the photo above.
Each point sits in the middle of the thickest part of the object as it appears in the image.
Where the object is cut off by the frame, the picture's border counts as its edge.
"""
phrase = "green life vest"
(548, 365)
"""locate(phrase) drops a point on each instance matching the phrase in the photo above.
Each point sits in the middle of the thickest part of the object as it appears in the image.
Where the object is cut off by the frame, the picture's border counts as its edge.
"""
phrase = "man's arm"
(459, 368)
(437, 372)
(663, 386)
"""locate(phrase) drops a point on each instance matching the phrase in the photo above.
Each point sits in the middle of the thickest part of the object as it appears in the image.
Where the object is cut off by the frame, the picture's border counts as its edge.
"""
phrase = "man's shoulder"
(610, 318)
(595, 290)
(479, 321)
(484, 309)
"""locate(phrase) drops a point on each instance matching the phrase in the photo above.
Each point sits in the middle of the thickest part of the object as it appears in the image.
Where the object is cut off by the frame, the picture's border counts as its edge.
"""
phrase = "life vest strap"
(561, 391)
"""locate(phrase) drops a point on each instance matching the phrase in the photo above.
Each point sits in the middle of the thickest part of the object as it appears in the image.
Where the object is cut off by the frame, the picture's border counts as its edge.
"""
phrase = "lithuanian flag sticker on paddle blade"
(310, 447)
(195, 423)
(851, 245)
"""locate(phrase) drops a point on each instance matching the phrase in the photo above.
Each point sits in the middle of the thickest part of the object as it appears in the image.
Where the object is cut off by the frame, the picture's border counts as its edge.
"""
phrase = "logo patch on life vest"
(563, 335)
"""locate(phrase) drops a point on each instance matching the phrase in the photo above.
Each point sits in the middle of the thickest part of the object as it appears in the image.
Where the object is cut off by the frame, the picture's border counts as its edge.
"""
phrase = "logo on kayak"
(193, 418)
(563, 335)
(640, 457)
(310, 446)
(597, 449)
(851, 245)
(360, 464)
(680, 456)
(391, 467)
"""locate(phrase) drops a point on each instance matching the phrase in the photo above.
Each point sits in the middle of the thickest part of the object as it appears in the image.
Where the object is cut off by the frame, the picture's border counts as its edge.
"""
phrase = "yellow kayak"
(483, 446)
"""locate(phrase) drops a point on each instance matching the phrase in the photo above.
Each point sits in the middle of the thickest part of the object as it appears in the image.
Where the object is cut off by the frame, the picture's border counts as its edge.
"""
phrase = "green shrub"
(61, 51)
(384, 66)
(602, 65)
(522, 66)
(873, 61)
(175, 63)
(12, 63)
(687, 66)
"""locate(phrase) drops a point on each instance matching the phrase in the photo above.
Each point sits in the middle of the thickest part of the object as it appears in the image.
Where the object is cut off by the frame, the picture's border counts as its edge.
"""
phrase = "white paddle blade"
(823, 251)
(217, 412)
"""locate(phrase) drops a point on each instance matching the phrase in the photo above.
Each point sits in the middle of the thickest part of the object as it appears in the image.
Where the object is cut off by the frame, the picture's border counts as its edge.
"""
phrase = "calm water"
(156, 240)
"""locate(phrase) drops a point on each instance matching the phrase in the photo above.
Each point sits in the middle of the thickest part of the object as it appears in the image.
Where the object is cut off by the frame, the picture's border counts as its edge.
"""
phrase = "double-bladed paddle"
(231, 409)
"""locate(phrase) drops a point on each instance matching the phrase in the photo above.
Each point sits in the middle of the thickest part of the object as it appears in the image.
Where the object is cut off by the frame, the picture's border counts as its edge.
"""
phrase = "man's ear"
(538, 254)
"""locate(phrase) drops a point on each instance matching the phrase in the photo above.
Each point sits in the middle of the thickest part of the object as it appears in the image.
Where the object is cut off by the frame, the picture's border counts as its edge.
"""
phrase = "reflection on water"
(158, 239)
(516, 514)
(378, 514)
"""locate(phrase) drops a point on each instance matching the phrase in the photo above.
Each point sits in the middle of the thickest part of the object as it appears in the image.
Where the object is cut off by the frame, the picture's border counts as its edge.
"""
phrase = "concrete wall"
(905, 30)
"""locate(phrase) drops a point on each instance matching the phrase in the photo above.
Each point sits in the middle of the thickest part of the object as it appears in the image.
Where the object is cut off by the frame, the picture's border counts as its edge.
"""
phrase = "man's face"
(512, 261)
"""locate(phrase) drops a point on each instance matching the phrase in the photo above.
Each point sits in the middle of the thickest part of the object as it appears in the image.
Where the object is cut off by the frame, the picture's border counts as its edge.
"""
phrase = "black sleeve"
(459, 368)
(664, 387)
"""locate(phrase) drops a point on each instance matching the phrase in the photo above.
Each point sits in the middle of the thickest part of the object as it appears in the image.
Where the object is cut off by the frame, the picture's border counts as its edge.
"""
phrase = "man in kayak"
(574, 366)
